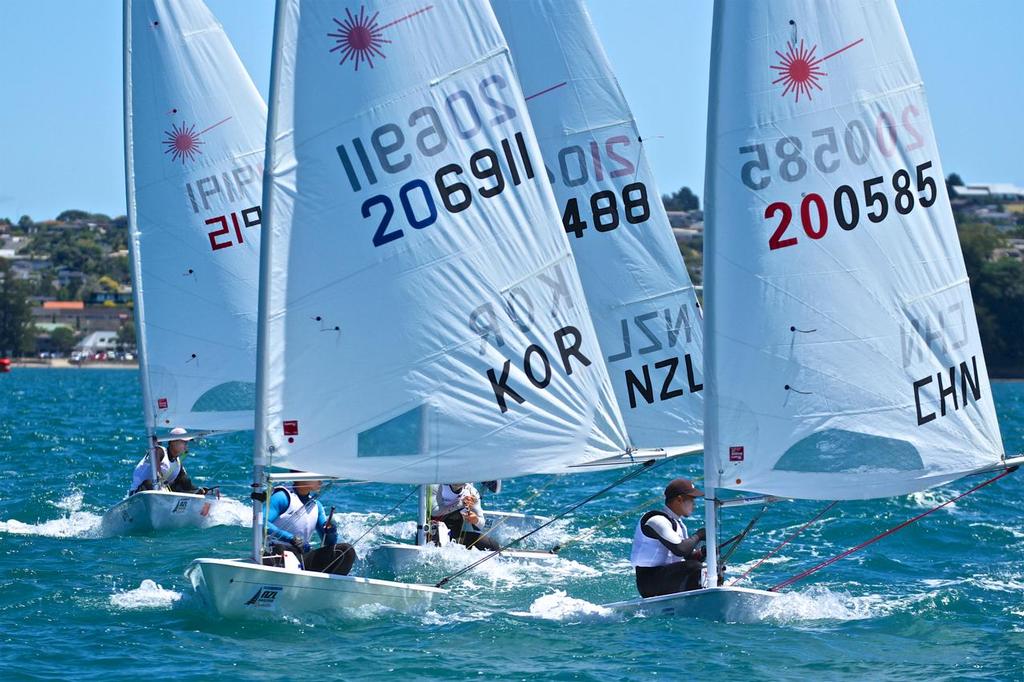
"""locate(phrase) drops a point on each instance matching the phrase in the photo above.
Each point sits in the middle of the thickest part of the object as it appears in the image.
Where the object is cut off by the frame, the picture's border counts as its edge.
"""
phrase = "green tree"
(683, 200)
(999, 297)
(72, 215)
(126, 334)
(24, 222)
(16, 330)
(978, 241)
(63, 339)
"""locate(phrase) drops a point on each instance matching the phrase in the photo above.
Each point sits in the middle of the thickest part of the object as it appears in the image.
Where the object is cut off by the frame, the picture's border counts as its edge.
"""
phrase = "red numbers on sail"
(875, 199)
(221, 236)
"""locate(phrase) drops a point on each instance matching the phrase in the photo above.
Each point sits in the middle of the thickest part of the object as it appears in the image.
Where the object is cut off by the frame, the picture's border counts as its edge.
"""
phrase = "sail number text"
(846, 205)
(388, 142)
(828, 148)
(417, 198)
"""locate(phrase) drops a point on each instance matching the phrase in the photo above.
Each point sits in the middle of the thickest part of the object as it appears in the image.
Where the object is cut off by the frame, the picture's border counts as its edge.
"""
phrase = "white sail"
(843, 352)
(644, 306)
(421, 316)
(195, 127)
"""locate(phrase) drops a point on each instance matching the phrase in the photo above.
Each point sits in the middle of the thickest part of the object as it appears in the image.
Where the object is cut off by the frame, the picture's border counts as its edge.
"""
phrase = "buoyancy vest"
(299, 519)
(648, 550)
(448, 501)
(167, 471)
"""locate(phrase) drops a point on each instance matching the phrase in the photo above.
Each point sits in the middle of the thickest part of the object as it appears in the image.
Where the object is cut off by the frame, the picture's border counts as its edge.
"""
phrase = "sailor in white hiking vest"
(294, 516)
(666, 558)
(171, 473)
(458, 508)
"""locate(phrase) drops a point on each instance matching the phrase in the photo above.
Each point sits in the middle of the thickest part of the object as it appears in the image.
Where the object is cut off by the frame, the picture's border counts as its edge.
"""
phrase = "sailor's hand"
(472, 518)
(470, 500)
(201, 491)
(300, 545)
(700, 534)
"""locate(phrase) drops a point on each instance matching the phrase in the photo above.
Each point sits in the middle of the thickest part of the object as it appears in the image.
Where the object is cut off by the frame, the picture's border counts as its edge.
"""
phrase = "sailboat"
(641, 299)
(194, 135)
(842, 352)
(421, 318)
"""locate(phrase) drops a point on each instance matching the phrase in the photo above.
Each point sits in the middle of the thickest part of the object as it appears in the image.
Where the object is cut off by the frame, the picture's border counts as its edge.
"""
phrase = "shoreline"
(64, 363)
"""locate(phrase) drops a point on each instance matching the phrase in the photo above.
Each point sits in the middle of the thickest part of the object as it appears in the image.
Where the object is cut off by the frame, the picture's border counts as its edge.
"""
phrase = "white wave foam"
(231, 512)
(77, 524)
(561, 607)
(821, 603)
(926, 499)
(429, 563)
(71, 502)
(148, 595)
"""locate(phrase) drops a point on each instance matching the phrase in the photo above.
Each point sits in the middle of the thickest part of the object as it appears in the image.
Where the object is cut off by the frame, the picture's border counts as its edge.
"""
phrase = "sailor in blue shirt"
(294, 516)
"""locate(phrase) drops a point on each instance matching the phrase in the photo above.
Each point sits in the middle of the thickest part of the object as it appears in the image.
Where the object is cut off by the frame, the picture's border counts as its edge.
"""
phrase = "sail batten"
(194, 128)
(843, 353)
(645, 309)
(422, 318)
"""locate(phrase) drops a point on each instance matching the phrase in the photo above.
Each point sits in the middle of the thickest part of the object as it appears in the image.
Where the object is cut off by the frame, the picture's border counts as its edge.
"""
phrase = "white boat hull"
(726, 604)
(398, 557)
(514, 523)
(236, 588)
(151, 510)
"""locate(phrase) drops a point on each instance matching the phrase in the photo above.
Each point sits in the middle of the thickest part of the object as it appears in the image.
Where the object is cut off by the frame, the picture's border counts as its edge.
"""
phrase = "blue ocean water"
(943, 599)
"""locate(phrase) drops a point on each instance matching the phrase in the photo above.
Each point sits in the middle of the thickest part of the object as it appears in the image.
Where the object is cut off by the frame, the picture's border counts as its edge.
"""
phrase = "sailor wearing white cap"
(170, 472)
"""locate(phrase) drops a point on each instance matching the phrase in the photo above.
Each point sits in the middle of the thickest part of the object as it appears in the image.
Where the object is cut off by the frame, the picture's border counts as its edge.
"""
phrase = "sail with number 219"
(842, 348)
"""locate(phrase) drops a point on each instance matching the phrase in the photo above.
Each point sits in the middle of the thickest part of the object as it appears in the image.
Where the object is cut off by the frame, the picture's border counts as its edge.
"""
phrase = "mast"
(133, 246)
(260, 444)
(421, 521)
(711, 424)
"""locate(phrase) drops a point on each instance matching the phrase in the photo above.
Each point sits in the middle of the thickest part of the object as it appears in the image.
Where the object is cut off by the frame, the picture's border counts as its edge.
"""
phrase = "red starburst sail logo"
(799, 69)
(359, 38)
(182, 141)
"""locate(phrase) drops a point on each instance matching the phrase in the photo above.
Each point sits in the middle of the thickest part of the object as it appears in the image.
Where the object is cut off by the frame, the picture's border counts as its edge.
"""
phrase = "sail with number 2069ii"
(422, 318)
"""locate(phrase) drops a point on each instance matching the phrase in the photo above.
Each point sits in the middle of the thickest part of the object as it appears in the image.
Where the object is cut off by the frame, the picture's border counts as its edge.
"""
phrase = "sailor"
(457, 505)
(666, 558)
(171, 473)
(294, 516)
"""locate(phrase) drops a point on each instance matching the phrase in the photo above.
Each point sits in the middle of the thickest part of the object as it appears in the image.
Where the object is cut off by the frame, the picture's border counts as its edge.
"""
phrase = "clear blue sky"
(60, 77)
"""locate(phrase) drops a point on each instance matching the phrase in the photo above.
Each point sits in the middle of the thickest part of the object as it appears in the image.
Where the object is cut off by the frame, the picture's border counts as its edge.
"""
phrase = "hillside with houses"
(65, 288)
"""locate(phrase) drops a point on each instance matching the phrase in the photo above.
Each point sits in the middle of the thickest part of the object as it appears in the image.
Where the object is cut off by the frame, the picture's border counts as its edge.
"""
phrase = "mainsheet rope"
(386, 515)
(645, 466)
(519, 507)
(829, 562)
(785, 542)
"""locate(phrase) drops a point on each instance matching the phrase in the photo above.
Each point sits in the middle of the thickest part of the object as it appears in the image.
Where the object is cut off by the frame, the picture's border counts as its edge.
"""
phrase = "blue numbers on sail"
(391, 149)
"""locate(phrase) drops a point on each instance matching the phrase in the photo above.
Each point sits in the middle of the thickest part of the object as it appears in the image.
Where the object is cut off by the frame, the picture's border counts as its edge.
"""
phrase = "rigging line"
(739, 537)
(829, 562)
(592, 531)
(645, 466)
(519, 507)
(785, 542)
(384, 518)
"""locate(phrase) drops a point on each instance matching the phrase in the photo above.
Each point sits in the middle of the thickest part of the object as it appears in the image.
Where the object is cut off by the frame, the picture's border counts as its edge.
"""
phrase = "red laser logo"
(182, 141)
(800, 70)
(359, 38)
